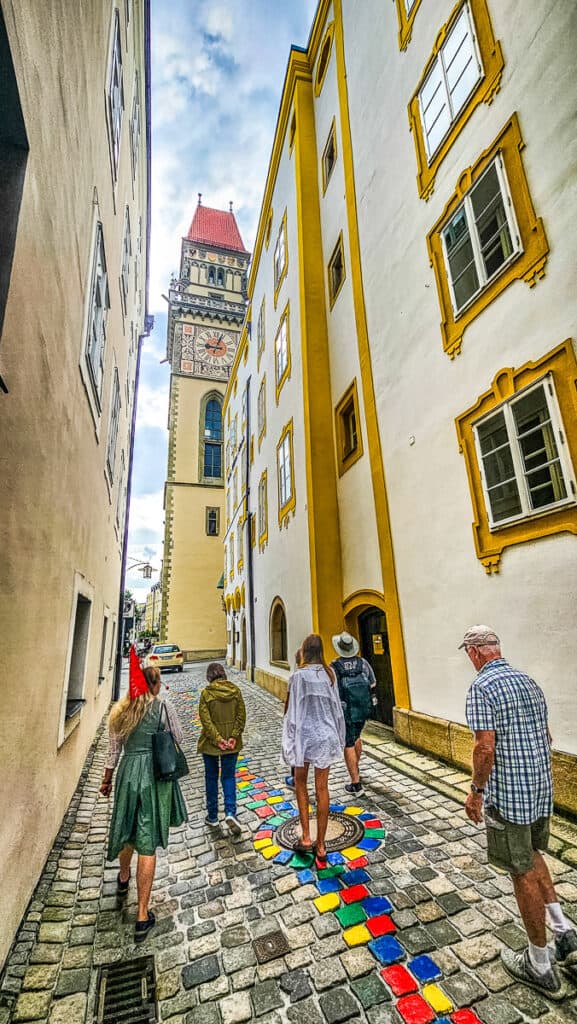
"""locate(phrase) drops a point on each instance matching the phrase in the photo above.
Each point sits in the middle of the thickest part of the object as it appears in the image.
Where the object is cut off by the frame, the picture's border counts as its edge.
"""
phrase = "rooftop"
(215, 227)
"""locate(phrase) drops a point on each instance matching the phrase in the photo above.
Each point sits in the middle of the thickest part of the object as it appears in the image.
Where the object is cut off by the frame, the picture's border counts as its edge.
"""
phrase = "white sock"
(557, 918)
(539, 957)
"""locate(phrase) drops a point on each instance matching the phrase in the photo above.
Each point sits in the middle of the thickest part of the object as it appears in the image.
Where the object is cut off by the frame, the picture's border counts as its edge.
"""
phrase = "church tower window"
(212, 438)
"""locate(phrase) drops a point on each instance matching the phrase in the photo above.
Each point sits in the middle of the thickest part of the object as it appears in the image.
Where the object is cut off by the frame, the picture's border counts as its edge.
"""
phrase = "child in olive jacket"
(222, 714)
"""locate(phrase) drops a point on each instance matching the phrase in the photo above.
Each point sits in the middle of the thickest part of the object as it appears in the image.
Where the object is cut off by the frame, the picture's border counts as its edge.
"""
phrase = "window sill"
(280, 664)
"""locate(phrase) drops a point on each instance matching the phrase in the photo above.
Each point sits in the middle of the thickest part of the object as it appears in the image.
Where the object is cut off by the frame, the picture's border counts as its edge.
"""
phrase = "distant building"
(153, 608)
(403, 400)
(74, 210)
(206, 311)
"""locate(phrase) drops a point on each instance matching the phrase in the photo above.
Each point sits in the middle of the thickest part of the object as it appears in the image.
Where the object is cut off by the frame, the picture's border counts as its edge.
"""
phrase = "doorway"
(243, 658)
(374, 641)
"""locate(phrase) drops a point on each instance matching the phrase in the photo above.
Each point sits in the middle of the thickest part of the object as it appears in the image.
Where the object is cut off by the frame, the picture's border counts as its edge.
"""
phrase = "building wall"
(62, 518)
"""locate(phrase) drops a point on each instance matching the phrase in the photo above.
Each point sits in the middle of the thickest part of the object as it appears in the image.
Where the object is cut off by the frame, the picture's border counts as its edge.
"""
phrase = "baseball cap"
(479, 636)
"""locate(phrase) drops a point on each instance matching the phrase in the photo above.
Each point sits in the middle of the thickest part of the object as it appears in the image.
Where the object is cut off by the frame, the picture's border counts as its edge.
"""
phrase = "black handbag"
(169, 761)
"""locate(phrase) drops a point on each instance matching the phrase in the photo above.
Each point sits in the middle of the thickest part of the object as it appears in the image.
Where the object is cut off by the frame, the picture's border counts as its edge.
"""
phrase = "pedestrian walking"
(313, 734)
(144, 808)
(223, 715)
(357, 685)
(507, 712)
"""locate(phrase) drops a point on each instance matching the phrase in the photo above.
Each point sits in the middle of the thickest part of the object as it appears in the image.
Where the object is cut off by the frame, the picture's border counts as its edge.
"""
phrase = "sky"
(217, 73)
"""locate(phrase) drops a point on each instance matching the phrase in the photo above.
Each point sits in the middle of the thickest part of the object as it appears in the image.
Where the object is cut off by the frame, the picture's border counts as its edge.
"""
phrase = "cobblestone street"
(427, 881)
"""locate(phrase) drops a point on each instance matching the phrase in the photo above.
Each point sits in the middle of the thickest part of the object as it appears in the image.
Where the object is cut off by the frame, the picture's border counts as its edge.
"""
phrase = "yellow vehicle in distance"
(164, 656)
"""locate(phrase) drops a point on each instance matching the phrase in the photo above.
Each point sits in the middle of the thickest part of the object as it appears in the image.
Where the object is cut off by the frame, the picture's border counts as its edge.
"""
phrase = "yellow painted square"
(437, 999)
(270, 851)
(330, 901)
(352, 852)
(259, 844)
(357, 935)
(275, 799)
(353, 810)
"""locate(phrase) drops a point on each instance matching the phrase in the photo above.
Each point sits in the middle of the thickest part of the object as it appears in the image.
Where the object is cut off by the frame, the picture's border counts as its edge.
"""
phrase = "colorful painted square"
(335, 858)
(244, 785)
(338, 808)
(352, 852)
(301, 860)
(414, 1010)
(276, 819)
(359, 862)
(260, 844)
(264, 812)
(353, 810)
(276, 792)
(285, 806)
(386, 949)
(274, 800)
(375, 833)
(354, 894)
(325, 903)
(424, 969)
(263, 833)
(437, 999)
(365, 816)
(304, 876)
(334, 871)
(368, 844)
(356, 877)
(283, 857)
(375, 905)
(373, 823)
(399, 980)
(259, 784)
(325, 885)
(358, 935)
(464, 1017)
(270, 851)
(252, 806)
(381, 925)
(348, 916)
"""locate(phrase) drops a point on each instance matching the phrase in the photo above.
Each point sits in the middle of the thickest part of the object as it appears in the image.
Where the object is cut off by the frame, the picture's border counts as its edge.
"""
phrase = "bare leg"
(322, 791)
(546, 886)
(358, 752)
(125, 857)
(352, 763)
(302, 795)
(529, 896)
(144, 880)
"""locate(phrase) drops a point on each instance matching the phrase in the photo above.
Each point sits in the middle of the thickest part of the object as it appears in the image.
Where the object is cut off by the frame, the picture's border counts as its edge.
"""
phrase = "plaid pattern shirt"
(508, 702)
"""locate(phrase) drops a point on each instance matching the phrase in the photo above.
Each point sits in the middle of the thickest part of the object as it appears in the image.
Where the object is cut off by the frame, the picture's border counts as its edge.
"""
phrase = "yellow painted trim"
(339, 248)
(237, 600)
(243, 343)
(406, 22)
(345, 462)
(261, 343)
(278, 281)
(490, 543)
(292, 133)
(392, 609)
(263, 431)
(263, 537)
(252, 531)
(332, 136)
(251, 449)
(484, 92)
(360, 599)
(285, 318)
(324, 57)
(268, 228)
(289, 506)
(529, 264)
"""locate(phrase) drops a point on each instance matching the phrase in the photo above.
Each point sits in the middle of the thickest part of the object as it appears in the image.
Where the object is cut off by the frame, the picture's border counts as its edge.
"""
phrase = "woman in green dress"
(144, 808)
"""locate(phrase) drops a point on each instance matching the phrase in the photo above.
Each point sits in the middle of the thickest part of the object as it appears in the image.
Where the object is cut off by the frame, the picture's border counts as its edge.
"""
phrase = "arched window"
(220, 277)
(211, 437)
(278, 634)
(211, 275)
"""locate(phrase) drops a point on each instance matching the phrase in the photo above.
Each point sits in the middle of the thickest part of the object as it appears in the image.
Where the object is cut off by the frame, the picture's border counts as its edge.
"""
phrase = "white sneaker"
(519, 966)
(233, 824)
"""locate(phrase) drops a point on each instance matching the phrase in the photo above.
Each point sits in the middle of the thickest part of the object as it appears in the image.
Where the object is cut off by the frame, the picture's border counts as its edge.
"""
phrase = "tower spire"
(200, 198)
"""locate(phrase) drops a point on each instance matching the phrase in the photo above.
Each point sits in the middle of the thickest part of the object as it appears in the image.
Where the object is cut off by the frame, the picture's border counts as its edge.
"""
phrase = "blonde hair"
(126, 713)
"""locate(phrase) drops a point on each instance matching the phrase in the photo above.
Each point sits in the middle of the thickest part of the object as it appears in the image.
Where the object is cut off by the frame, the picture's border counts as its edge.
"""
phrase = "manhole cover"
(343, 830)
(270, 946)
(127, 992)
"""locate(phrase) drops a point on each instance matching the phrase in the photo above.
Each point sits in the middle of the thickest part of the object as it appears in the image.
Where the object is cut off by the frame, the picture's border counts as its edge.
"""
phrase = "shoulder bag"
(169, 761)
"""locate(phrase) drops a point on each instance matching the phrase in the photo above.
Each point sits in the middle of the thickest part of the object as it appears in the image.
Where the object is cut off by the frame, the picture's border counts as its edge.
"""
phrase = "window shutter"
(435, 112)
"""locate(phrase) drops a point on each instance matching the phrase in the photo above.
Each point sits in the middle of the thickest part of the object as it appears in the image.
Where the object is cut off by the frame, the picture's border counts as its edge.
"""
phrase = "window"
(329, 156)
(135, 126)
(126, 255)
(487, 236)
(113, 431)
(77, 669)
(406, 12)
(231, 551)
(212, 522)
(285, 474)
(520, 442)
(211, 437)
(211, 275)
(347, 422)
(240, 547)
(220, 277)
(121, 497)
(280, 258)
(323, 63)
(115, 96)
(260, 331)
(262, 511)
(261, 411)
(99, 304)
(278, 634)
(336, 271)
(464, 70)
(282, 353)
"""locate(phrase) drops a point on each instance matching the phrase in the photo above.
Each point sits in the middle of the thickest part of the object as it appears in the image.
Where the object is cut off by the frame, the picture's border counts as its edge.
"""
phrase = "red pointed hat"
(137, 684)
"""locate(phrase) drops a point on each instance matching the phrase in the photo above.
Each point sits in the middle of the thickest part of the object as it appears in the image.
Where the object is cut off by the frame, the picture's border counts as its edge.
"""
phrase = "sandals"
(304, 849)
(122, 887)
(142, 928)
(322, 859)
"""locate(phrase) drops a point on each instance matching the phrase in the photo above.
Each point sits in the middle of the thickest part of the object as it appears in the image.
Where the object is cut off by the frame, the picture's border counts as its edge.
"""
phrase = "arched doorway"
(243, 644)
(365, 617)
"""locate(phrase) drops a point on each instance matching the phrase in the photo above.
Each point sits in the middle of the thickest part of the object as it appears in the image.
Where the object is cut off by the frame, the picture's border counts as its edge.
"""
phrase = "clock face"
(214, 347)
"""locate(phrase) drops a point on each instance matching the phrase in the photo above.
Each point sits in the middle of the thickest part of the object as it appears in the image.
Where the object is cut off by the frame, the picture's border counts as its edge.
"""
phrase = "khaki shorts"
(510, 846)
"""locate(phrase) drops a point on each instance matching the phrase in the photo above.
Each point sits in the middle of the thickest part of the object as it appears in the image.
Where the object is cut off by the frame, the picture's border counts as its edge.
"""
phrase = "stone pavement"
(424, 895)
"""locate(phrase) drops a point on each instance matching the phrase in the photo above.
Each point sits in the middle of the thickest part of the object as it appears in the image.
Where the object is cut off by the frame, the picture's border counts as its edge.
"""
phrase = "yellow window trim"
(252, 531)
(529, 263)
(251, 449)
(268, 229)
(339, 247)
(406, 22)
(284, 511)
(484, 91)
(324, 58)
(345, 462)
(287, 370)
(261, 347)
(284, 271)
(331, 136)
(561, 363)
(263, 431)
(263, 537)
(240, 564)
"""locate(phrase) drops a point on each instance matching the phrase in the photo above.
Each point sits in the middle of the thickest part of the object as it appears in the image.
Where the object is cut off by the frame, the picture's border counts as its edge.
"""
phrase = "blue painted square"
(293, 813)
(305, 875)
(358, 876)
(335, 858)
(337, 807)
(386, 949)
(325, 885)
(375, 905)
(424, 969)
(276, 792)
(286, 806)
(283, 857)
(368, 844)
(365, 816)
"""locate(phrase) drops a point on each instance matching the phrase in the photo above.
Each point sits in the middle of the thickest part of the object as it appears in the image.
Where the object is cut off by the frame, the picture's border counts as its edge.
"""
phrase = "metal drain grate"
(343, 830)
(270, 946)
(126, 993)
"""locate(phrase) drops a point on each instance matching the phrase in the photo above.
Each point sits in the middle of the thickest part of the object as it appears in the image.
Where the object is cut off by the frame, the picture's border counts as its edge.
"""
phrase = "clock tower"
(206, 310)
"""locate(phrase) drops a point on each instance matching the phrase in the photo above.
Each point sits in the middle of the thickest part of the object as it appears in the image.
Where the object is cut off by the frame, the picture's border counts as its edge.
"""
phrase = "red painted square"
(399, 980)
(371, 823)
(355, 893)
(261, 795)
(360, 862)
(465, 1017)
(381, 925)
(263, 833)
(414, 1010)
(264, 812)
(259, 785)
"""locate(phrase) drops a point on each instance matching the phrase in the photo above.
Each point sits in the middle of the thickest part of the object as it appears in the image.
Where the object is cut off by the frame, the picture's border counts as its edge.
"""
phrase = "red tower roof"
(215, 227)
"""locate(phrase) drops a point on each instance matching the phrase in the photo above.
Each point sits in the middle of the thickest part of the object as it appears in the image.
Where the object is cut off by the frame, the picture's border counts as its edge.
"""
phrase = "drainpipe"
(250, 516)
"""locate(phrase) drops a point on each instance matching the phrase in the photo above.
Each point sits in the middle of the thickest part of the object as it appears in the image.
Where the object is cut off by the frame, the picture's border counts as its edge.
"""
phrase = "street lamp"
(145, 567)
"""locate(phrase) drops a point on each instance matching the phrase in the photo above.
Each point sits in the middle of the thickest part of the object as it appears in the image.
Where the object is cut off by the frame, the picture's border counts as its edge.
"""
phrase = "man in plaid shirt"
(507, 713)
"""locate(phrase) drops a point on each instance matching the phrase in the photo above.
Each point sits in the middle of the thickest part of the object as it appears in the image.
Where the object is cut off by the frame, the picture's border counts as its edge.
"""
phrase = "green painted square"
(350, 915)
(333, 872)
(374, 833)
(301, 860)
(252, 806)
(275, 820)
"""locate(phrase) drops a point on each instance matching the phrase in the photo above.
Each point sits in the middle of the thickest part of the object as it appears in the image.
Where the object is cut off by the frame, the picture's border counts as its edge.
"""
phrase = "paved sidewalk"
(214, 895)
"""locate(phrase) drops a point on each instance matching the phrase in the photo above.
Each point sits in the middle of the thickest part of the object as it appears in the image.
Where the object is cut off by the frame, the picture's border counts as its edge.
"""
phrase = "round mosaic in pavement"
(343, 830)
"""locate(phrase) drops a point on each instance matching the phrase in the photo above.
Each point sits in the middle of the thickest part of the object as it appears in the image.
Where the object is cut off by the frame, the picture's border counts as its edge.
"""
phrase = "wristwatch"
(476, 789)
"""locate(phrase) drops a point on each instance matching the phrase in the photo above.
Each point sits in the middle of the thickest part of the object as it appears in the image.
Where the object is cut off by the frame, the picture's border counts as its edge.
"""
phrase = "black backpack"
(354, 689)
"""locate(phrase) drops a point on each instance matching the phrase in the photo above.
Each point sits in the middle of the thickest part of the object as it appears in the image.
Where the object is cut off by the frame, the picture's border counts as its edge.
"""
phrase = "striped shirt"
(508, 702)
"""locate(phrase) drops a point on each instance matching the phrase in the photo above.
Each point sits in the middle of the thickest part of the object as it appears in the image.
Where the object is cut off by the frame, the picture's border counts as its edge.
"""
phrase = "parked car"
(164, 656)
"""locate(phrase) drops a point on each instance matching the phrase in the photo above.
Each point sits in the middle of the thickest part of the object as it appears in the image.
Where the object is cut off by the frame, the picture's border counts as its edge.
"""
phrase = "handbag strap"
(163, 708)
